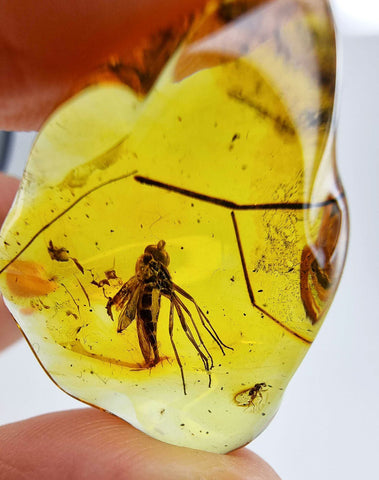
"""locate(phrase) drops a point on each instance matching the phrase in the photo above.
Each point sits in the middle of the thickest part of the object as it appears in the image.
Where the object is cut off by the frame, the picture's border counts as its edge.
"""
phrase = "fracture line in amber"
(82, 197)
(232, 205)
(250, 290)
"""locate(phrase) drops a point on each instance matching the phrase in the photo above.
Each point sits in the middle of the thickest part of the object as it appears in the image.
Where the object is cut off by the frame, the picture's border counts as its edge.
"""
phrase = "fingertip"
(51, 50)
(92, 444)
(9, 332)
(255, 463)
(8, 189)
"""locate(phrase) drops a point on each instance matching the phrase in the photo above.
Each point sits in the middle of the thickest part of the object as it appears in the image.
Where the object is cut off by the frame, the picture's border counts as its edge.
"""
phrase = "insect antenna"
(204, 319)
(170, 329)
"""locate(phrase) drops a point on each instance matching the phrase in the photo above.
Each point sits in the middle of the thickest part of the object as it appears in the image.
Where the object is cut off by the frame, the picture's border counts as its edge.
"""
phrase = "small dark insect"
(318, 264)
(251, 396)
(139, 298)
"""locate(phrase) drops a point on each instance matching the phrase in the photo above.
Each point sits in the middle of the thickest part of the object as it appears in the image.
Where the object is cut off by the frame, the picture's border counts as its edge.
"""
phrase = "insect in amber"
(140, 297)
(320, 266)
(251, 396)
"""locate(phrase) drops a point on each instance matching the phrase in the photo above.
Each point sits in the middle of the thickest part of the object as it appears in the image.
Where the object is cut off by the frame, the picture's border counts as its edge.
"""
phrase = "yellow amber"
(180, 229)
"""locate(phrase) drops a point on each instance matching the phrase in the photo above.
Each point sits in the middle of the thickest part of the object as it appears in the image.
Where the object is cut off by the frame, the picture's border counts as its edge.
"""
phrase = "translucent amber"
(181, 229)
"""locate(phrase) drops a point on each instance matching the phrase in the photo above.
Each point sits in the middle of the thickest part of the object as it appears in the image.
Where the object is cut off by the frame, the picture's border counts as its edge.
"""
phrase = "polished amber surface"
(180, 229)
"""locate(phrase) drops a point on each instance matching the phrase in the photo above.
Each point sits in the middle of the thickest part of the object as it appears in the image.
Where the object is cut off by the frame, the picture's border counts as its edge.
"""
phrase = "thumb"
(88, 443)
(8, 329)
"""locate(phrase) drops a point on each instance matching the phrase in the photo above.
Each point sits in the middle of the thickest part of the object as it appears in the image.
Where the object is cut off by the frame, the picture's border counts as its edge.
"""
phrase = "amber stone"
(181, 229)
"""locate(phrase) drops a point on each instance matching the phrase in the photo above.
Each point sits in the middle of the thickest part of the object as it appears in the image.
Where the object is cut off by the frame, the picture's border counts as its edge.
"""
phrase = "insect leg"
(170, 329)
(184, 307)
(188, 332)
(203, 318)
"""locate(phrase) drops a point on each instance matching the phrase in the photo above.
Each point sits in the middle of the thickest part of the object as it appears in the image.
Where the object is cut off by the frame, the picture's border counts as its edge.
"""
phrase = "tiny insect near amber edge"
(247, 398)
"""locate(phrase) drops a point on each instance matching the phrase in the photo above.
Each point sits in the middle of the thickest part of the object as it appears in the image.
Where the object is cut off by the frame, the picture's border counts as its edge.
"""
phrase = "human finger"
(92, 444)
(50, 50)
(8, 329)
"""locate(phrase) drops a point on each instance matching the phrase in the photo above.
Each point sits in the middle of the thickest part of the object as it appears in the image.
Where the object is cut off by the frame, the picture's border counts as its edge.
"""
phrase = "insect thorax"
(151, 272)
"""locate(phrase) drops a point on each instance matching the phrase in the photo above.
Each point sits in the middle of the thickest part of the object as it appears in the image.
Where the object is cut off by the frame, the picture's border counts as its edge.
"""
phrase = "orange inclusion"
(29, 279)
(27, 311)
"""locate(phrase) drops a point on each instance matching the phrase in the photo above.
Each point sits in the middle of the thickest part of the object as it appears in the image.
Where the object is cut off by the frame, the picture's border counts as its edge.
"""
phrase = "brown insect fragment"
(318, 264)
(79, 267)
(84, 291)
(111, 275)
(61, 254)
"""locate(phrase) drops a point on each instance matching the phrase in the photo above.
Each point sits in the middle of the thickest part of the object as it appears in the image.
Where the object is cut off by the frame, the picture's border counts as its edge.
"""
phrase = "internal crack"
(60, 215)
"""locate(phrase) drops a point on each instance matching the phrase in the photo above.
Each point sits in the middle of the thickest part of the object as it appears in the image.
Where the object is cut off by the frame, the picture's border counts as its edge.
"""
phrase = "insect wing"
(129, 311)
(243, 399)
(123, 295)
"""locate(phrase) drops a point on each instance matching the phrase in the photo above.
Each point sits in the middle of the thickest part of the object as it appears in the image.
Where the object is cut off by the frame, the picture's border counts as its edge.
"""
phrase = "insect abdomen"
(148, 313)
(147, 299)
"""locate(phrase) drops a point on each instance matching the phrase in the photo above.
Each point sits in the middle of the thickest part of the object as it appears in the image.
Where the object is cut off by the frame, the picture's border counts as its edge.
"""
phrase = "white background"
(328, 424)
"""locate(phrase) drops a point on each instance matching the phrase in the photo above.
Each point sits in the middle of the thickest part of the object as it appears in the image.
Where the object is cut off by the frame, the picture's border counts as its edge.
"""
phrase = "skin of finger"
(92, 444)
(9, 331)
(49, 50)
